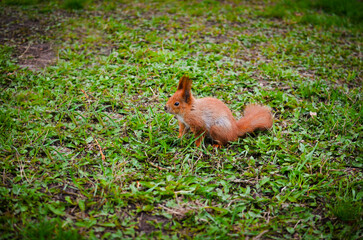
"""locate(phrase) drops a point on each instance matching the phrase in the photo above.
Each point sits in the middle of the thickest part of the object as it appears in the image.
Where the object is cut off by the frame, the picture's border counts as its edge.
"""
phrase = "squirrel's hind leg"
(221, 136)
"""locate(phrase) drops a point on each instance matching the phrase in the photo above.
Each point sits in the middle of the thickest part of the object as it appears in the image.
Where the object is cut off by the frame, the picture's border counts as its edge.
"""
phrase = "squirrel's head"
(181, 99)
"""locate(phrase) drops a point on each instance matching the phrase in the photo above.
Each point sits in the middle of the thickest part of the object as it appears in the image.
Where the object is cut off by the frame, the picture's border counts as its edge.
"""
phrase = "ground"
(88, 151)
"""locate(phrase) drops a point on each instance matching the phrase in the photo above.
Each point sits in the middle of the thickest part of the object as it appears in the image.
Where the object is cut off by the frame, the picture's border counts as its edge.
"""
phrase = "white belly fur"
(209, 121)
(220, 121)
(223, 122)
(181, 119)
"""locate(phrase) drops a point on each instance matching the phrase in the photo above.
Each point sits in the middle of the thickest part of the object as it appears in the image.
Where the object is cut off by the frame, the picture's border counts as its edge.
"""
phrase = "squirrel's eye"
(176, 103)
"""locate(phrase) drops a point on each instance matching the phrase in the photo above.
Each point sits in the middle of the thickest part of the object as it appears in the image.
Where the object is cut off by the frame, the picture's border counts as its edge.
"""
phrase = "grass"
(88, 151)
(325, 13)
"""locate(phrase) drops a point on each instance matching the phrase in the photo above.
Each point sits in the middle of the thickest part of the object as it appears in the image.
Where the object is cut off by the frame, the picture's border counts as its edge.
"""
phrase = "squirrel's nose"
(165, 108)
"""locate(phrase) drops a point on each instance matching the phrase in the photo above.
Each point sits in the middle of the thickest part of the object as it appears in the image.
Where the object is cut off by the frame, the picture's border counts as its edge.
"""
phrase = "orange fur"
(211, 117)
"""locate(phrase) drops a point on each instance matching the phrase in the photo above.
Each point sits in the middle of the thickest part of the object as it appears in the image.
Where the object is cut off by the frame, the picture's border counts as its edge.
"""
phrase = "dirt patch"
(148, 223)
(27, 35)
(37, 56)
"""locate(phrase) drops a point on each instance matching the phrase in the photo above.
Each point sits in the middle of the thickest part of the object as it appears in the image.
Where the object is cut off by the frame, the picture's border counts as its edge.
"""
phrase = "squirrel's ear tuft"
(183, 82)
(187, 85)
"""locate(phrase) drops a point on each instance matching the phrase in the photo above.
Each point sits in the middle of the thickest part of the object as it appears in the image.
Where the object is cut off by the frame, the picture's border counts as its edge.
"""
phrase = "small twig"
(70, 216)
(85, 94)
(152, 91)
(87, 97)
(71, 193)
(321, 166)
(268, 216)
(284, 88)
(192, 167)
(103, 156)
(25, 51)
(260, 235)
(241, 181)
(158, 167)
(21, 168)
(171, 211)
(232, 201)
(297, 224)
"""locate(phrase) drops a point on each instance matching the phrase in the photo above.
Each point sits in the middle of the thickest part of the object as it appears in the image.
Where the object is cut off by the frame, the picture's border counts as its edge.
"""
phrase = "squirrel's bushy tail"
(256, 117)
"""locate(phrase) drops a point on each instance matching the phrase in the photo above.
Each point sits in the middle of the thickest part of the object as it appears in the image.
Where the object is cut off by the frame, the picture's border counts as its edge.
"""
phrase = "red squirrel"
(211, 117)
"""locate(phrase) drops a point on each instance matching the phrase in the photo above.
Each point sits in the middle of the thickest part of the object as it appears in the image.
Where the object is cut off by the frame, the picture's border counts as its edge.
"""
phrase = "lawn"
(88, 152)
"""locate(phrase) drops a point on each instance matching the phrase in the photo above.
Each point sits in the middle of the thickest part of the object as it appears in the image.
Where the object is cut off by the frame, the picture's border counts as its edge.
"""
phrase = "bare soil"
(26, 34)
(36, 56)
